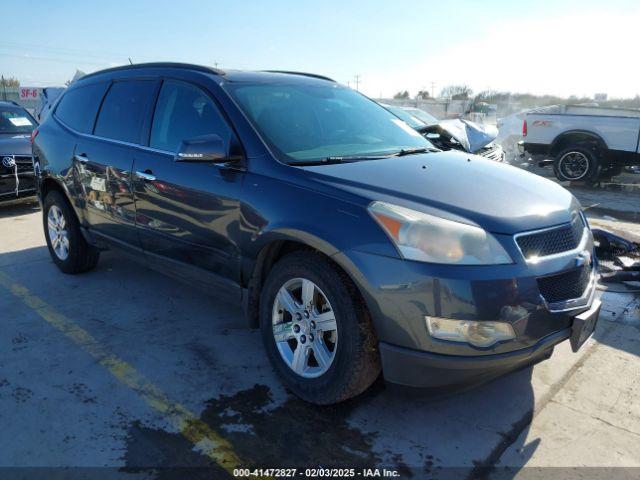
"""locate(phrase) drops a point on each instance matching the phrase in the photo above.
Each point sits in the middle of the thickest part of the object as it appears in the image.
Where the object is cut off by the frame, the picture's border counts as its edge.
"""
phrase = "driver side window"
(184, 111)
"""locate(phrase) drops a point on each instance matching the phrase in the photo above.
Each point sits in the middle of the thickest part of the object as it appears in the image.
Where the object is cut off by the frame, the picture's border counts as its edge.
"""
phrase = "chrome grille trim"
(580, 243)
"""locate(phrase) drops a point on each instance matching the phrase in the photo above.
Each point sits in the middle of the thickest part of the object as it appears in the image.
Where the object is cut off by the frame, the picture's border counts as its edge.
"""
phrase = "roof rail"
(134, 66)
(304, 74)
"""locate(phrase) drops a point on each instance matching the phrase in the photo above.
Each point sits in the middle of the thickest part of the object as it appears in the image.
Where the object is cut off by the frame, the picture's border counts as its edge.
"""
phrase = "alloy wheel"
(304, 328)
(58, 233)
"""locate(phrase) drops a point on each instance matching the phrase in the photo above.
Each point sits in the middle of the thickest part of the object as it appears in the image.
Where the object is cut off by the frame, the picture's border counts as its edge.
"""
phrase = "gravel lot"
(125, 368)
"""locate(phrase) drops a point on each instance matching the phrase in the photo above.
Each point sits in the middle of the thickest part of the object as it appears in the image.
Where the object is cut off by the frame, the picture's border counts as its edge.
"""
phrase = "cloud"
(572, 55)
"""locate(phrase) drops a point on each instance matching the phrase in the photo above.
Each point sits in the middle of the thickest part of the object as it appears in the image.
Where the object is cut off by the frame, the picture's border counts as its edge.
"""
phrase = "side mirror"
(205, 148)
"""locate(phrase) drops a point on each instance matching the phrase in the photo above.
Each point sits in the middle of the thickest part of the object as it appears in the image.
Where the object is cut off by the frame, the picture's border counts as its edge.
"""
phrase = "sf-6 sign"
(29, 93)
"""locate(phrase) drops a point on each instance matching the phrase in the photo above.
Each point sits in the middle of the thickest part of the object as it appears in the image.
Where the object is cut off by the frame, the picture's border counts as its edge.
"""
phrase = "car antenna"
(130, 62)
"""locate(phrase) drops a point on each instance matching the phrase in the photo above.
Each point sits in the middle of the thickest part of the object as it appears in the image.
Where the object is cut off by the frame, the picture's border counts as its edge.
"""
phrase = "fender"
(267, 247)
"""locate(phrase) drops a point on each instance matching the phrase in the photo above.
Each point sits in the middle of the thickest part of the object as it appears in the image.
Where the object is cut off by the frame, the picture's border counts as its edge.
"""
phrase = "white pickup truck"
(582, 142)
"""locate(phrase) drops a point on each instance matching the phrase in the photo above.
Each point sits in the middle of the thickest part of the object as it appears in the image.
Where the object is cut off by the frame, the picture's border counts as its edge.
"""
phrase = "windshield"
(313, 122)
(15, 120)
(422, 115)
(406, 116)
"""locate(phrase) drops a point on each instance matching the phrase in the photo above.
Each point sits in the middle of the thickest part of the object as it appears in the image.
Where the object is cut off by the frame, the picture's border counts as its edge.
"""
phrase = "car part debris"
(610, 245)
(619, 261)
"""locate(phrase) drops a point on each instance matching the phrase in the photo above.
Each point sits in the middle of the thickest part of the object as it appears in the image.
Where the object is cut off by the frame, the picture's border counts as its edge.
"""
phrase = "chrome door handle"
(82, 158)
(145, 176)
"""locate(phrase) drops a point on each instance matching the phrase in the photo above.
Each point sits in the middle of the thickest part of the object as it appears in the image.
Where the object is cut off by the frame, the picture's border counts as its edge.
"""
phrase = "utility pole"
(4, 89)
(215, 64)
(433, 86)
(357, 78)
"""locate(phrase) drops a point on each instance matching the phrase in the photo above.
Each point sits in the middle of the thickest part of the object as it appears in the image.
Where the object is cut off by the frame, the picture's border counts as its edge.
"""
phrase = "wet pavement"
(63, 405)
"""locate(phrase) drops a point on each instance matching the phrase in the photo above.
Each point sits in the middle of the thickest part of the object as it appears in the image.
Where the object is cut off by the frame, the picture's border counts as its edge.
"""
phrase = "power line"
(64, 50)
(53, 59)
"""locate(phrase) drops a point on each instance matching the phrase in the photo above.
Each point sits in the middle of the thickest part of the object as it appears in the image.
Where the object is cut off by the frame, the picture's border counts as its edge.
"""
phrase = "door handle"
(82, 158)
(146, 175)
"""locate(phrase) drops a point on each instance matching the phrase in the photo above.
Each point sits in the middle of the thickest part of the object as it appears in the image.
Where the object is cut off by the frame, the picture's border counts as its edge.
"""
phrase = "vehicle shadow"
(197, 349)
(21, 207)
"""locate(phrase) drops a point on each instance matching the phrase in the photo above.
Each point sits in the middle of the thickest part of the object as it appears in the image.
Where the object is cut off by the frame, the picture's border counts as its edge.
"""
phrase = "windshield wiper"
(357, 158)
(413, 151)
(334, 160)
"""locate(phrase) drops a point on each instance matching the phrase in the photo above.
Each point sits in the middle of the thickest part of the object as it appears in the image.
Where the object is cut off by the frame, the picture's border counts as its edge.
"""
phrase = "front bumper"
(26, 187)
(400, 295)
(426, 370)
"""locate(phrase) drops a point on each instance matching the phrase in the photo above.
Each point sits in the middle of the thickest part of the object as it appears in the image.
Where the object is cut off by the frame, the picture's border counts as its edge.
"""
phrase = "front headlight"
(426, 238)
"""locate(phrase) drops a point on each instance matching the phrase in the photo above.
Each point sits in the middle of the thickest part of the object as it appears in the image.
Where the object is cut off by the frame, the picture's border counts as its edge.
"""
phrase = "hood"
(15, 144)
(471, 136)
(497, 197)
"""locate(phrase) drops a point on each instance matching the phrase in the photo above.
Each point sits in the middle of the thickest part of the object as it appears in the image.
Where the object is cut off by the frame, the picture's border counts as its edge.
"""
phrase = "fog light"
(478, 334)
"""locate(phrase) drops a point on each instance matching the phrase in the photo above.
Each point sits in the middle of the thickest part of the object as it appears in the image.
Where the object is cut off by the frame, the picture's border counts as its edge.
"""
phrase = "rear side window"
(184, 111)
(78, 107)
(123, 110)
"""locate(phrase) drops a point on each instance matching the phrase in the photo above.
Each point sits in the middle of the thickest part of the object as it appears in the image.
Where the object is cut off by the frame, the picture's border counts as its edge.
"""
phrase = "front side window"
(79, 106)
(123, 110)
(15, 120)
(184, 111)
(307, 122)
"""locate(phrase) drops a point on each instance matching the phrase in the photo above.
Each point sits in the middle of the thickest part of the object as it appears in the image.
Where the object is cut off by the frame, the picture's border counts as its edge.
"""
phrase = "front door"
(187, 212)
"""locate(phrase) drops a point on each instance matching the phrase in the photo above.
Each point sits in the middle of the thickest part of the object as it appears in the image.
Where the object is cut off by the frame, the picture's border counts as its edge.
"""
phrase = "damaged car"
(353, 244)
(452, 134)
(17, 180)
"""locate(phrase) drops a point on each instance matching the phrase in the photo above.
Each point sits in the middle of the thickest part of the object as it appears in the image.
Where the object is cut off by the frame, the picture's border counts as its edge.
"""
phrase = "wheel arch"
(577, 137)
(47, 184)
(277, 245)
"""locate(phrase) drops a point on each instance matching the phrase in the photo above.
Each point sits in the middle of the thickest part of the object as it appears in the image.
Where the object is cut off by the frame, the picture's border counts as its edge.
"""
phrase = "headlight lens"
(427, 238)
(478, 334)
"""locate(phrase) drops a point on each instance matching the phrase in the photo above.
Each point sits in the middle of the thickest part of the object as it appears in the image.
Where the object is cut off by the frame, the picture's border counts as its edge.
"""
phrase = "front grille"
(23, 162)
(565, 286)
(493, 152)
(549, 242)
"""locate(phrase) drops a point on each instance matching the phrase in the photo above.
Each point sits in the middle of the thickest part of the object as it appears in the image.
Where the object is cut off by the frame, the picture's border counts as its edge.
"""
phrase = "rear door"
(187, 212)
(104, 160)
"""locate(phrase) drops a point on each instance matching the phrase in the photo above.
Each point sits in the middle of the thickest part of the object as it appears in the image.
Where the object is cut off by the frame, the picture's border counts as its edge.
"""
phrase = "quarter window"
(78, 106)
(184, 111)
(123, 110)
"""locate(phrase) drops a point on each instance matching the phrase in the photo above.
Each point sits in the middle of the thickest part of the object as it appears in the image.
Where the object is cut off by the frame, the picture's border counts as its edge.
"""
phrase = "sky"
(561, 47)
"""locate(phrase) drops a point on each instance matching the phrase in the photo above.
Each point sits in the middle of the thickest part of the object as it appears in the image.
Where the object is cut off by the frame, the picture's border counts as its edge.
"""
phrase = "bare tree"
(9, 82)
(457, 92)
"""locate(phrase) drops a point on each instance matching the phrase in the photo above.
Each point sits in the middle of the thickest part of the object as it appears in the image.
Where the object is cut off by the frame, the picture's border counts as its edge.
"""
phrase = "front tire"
(577, 163)
(67, 247)
(316, 331)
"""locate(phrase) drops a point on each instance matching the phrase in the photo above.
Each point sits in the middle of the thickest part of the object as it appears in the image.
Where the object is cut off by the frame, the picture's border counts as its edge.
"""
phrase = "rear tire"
(67, 247)
(352, 365)
(577, 163)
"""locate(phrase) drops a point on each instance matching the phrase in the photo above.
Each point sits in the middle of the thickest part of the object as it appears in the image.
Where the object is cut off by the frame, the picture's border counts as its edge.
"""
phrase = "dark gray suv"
(354, 244)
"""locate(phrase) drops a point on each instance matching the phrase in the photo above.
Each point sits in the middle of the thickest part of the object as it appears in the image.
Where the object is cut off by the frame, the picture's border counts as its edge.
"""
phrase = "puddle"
(293, 434)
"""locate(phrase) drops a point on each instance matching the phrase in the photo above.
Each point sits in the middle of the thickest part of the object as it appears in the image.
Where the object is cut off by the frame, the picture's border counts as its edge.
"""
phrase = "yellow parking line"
(196, 431)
